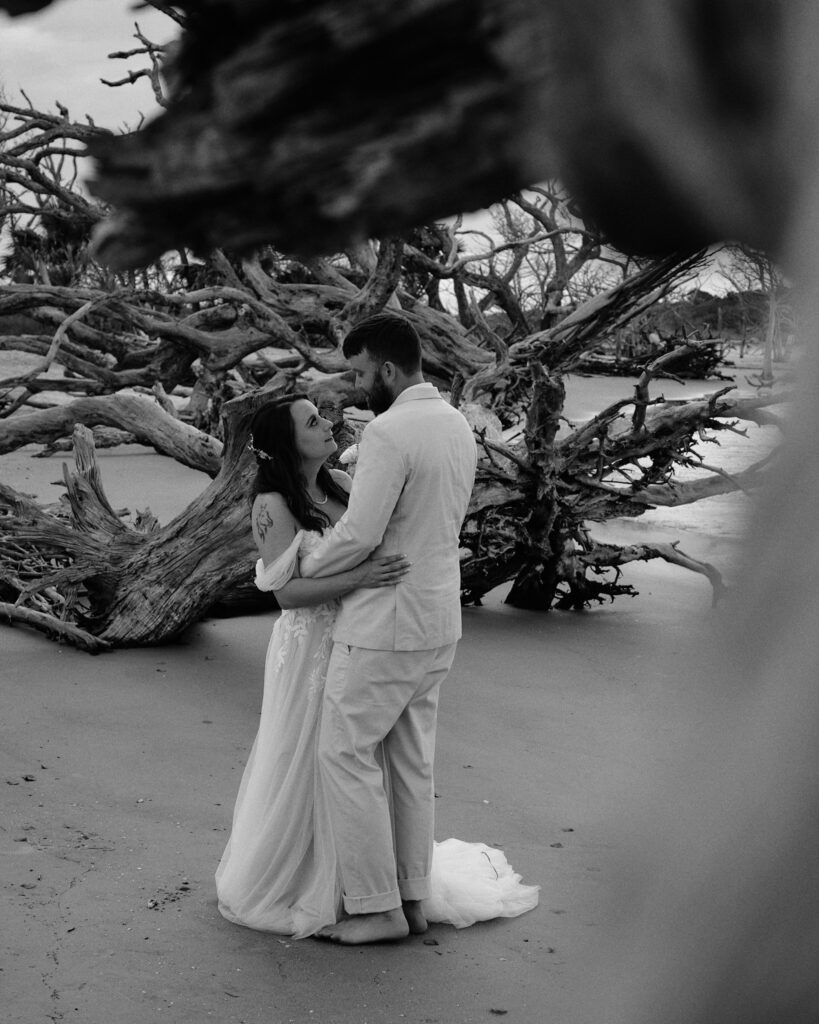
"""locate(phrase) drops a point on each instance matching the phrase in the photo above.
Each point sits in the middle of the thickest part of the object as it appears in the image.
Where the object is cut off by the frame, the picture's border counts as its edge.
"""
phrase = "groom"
(393, 646)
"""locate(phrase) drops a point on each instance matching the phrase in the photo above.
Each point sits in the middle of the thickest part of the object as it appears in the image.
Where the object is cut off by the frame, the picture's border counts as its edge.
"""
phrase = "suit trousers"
(382, 818)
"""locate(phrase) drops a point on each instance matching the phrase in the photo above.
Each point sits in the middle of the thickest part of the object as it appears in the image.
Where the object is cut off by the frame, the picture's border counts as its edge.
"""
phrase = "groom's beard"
(380, 398)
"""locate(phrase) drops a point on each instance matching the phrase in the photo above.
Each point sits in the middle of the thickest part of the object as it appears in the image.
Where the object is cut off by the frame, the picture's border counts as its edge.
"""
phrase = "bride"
(278, 872)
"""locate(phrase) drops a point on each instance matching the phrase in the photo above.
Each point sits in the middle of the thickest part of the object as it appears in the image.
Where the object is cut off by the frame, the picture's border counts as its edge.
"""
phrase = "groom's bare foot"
(390, 926)
(415, 916)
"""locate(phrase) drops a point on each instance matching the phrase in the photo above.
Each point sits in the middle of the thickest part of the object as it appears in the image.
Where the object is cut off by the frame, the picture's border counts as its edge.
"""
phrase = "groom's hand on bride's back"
(383, 570)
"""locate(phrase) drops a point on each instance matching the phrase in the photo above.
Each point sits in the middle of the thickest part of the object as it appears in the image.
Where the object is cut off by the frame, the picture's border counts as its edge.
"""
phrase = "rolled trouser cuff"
(414, 888)
(376, 904)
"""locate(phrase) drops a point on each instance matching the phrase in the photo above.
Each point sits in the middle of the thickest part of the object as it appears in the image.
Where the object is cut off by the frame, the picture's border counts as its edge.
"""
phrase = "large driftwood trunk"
(141, 585)
(142, 418)
(181, 570)
(493, 96)
(306, 158)
(536, 582)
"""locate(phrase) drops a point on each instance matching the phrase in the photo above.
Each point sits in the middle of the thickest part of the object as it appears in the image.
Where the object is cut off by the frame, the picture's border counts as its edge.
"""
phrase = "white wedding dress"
(278, 872)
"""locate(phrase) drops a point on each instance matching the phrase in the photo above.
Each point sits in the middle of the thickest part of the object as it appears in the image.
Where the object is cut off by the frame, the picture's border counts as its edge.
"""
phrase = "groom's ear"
(388, 371)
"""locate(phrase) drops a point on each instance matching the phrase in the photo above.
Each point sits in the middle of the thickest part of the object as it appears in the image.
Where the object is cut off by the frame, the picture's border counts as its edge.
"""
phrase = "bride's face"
(313, 433)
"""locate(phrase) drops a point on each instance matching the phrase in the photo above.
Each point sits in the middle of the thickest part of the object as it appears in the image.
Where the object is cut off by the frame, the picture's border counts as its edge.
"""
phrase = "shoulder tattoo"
(264, 521)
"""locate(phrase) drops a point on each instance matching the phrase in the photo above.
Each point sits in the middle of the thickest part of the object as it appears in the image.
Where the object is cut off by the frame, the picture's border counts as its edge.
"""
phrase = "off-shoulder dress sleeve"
(281, 570)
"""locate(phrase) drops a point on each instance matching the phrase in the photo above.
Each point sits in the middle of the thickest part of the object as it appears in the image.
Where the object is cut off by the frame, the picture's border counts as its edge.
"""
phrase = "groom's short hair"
(387, 337)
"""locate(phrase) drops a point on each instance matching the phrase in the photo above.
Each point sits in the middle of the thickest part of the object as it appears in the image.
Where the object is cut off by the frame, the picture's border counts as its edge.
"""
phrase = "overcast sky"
(61, 53)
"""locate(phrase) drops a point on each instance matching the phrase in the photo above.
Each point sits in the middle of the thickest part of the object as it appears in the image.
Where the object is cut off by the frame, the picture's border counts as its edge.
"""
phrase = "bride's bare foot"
(415, 916)
(390, 926)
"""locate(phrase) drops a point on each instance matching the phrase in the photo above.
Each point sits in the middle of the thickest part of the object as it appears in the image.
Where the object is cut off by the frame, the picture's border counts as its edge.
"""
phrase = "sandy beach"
(119, 774)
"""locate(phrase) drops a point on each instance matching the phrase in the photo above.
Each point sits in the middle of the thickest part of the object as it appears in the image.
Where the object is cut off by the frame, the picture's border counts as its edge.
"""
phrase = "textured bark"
(338, 144)
(188, 566)
(155, 337)
(566, 342)
(137, 586)
(534, 500)
(52, 627)
(142, 417)
(535, 584)
(104, 437)
(378, 118)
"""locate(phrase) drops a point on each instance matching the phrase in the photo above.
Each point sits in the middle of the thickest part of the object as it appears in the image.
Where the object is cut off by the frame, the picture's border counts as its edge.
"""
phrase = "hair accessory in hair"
(258, 451)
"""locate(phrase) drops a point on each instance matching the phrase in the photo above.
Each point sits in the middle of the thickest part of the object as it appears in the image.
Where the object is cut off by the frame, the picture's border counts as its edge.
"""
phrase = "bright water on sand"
(723, 516)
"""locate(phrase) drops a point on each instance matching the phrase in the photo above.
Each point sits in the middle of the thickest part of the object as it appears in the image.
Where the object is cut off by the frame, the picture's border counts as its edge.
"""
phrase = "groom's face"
(369, 376)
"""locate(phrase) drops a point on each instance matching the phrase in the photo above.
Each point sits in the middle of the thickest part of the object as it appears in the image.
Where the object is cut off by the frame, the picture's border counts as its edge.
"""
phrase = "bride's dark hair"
(273, 437)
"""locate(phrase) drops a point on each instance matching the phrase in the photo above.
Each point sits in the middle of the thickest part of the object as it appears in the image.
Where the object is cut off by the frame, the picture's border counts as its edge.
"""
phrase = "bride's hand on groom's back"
(383, 570)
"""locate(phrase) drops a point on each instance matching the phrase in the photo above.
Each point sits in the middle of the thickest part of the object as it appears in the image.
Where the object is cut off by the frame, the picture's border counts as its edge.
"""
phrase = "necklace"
(317, 502)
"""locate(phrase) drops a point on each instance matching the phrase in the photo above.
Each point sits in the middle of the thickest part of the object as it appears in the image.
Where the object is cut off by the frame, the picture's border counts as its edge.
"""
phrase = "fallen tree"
(177, 354)
(82, 573)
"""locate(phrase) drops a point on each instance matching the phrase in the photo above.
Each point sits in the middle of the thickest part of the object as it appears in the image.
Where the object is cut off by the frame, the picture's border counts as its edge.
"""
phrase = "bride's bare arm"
(274, 528)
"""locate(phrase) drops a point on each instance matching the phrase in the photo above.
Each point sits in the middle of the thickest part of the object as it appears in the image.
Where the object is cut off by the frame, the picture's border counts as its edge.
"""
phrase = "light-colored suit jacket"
(413, 481)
